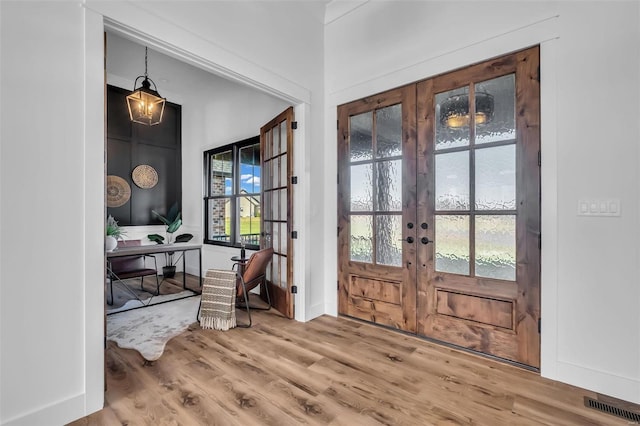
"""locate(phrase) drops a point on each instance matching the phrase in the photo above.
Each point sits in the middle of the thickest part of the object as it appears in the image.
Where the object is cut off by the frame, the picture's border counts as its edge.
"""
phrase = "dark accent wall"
(131, 144)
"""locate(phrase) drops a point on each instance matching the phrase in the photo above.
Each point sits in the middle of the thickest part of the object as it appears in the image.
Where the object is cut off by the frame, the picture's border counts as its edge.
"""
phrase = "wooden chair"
(125, 267)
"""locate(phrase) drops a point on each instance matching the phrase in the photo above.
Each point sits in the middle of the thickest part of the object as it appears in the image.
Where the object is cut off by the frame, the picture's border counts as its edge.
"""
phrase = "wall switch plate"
(599, 207)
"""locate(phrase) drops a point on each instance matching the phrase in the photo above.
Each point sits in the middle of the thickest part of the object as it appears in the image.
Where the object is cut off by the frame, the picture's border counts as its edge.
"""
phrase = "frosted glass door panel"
(452, 244)
(452, 181)
(361, 142)
(361, 187)
(389, 131)
(361, 238)
(389, 187)
(283, 138)
(496, 247)
(452, 129)
(389, 240)
(502, 125)
(496, 178)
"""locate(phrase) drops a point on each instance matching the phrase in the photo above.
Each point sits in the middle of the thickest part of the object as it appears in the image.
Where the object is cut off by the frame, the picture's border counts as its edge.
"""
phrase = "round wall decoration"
(145, 176)
(118, 191)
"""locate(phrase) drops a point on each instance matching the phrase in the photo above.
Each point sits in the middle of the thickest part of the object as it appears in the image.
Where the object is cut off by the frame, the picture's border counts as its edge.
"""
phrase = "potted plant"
(172, 222)
(113, 233)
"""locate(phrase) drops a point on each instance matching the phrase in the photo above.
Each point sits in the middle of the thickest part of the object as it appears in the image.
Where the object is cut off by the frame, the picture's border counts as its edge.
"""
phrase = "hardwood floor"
(329, 371)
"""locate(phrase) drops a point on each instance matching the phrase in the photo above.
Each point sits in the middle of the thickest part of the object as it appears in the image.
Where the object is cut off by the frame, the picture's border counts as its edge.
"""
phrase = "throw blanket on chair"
(218, 307)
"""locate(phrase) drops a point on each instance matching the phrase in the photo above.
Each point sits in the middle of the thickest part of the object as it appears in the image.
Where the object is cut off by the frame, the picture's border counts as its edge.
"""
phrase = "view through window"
(232, 198)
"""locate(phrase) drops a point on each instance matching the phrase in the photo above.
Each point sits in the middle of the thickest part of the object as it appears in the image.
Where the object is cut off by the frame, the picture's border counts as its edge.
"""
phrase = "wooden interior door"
(479, 201)
(276, 147)
(376, 203)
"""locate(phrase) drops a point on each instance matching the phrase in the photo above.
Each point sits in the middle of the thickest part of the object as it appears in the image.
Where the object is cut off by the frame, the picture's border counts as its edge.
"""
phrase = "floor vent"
(611, 409)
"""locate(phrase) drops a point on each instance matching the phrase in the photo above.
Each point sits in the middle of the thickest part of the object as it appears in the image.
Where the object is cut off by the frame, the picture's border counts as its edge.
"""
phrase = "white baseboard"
(625, 388)
(60, 413)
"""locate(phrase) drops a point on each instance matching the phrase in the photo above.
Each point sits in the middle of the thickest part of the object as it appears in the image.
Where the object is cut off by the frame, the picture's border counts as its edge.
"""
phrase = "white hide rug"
(147, 330)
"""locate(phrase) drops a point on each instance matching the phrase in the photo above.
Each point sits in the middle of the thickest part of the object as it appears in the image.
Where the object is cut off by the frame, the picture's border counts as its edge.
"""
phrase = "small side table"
(241, 262)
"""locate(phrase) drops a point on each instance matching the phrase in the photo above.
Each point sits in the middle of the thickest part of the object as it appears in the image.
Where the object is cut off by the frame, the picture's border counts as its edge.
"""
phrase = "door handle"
(409, 239)
(425, 240)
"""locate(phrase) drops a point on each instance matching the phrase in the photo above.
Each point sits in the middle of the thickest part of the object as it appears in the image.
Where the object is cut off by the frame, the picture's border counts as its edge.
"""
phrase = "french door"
(276, 147)
(463, 231)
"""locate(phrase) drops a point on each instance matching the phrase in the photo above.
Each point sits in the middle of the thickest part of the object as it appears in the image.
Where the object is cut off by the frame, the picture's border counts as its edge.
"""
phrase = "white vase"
(110, 243)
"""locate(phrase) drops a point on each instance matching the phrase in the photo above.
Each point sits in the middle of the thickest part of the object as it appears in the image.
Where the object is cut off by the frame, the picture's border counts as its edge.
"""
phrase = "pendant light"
(146, 106)
(454, 111)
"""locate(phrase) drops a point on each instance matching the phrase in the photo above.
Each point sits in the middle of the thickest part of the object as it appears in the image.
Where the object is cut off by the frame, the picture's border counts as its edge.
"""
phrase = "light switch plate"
(599, 207)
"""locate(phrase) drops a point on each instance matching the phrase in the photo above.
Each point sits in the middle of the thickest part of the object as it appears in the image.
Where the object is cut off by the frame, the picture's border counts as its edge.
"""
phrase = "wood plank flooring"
(329, 371)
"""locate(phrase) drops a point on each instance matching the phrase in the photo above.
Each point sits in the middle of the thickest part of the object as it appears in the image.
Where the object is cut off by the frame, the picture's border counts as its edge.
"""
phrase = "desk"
(162, 248)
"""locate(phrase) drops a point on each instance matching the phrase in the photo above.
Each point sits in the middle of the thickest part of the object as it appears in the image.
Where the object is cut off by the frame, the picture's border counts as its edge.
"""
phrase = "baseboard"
(314, 311)
(627, 389)
(60, 413)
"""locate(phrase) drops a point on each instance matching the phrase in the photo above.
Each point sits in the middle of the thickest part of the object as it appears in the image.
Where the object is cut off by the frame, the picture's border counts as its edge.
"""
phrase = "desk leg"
(184, 270)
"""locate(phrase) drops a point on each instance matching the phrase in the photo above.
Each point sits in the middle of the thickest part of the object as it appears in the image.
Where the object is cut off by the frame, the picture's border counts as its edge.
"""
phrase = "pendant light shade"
(146, 106)
(454, 111)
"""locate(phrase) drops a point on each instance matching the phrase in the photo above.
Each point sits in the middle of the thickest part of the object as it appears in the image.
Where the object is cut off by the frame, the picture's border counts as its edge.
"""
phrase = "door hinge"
(539, 325)
(294, 289)
(294, 235)
(538, 74)
(539, 158)
(338, 284)
(294, 125)
(294, 180)
(539, 241)
(337, 124)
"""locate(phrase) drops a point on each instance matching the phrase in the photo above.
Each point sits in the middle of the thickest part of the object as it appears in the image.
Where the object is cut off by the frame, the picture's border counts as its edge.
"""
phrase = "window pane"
(496, 178)
(249, 212)
(250, 169)
(452, 181)
(452, 244)
(361, 187)
(496, 247)
(362, 238)
(360, 136)
(283, 137)
(283, 272)
(389, 131)
(452, 118)
(283, 170)
(283, 204)
(275, 143)
(389, 187)
(222, 173)
(219, 220)
(388, 240)
(500, 124)
(275, 172)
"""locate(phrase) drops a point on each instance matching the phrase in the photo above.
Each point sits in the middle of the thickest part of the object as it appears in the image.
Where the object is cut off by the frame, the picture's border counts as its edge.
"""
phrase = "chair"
(125, 267)
(247, 278)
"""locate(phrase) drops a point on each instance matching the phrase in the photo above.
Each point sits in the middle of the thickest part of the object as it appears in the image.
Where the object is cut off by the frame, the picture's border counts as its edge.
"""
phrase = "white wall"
(51, 213)
(51, 360)
(590, 84)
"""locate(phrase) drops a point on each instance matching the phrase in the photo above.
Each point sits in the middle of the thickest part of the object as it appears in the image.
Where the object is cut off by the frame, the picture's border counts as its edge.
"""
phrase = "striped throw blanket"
(218, 309)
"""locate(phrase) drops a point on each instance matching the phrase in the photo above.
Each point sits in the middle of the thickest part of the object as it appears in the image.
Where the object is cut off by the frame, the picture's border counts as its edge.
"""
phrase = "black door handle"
(409, 239)
(424, 240)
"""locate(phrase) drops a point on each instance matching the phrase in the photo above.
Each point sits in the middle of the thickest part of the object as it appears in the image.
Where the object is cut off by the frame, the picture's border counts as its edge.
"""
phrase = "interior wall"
(51, 365)
(590, 320)
(51, 213)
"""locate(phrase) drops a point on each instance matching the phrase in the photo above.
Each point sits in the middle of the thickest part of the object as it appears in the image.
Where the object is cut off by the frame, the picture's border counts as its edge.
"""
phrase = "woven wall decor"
(145, 176)
(118, 191)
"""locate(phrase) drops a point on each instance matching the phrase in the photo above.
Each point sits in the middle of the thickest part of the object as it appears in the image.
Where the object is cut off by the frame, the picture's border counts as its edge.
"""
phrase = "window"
(232, 194)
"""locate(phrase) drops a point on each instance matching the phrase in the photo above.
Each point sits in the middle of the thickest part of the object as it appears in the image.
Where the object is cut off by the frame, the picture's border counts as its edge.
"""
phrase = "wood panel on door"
(479, 194)
(376, 203)
(276, 147)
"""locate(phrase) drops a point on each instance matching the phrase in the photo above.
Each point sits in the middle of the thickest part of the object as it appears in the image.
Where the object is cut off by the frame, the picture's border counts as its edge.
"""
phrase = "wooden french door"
(470, 211)
(276, 147)
(376, 203)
